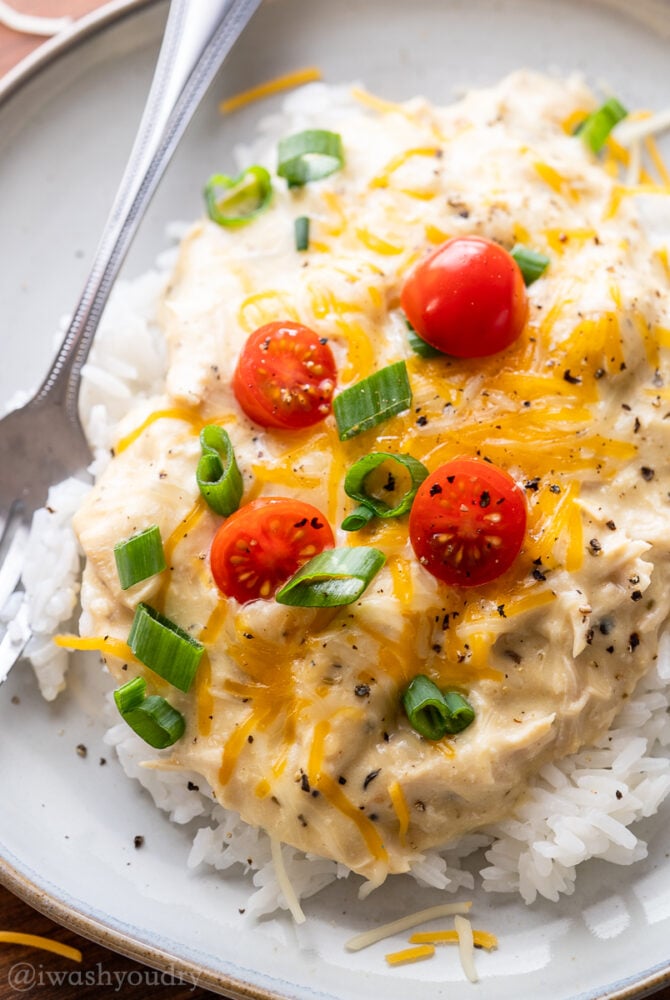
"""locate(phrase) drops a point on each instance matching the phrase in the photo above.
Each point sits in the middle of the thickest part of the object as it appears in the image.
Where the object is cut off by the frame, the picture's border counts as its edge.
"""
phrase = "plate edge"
(83, 28)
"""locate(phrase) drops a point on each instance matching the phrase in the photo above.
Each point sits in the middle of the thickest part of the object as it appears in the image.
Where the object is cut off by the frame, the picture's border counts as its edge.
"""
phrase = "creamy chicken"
(295, 717)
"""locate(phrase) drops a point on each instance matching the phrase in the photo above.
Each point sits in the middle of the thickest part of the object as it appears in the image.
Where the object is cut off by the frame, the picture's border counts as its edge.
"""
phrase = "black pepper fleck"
(605, 626)
(370, 777)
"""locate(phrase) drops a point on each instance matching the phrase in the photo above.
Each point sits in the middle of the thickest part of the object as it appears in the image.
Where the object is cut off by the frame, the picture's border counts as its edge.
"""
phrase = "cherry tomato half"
(467, 298)
(467, 522)
(285, 376)
(261, 545)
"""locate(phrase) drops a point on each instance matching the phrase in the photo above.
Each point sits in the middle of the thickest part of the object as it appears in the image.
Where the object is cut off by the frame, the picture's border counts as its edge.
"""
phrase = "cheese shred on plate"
(332, 686)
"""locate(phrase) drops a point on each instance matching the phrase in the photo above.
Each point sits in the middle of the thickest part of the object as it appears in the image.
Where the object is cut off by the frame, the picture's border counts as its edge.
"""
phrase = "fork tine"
(12, 563)
(14, 641)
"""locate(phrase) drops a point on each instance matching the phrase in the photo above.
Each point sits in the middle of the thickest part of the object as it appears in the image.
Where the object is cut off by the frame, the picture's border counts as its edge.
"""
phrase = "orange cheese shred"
(482, 939)
(172, 413)
(105, 645)
(298, 77)
(43, 943)
(415, 954)
(399, 804)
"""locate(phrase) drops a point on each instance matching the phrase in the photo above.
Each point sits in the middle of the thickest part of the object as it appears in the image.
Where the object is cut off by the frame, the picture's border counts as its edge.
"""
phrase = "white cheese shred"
(631, 131)
(634, 164)
(288, 892)
(30, 24)
(466, 947)
(367, 938)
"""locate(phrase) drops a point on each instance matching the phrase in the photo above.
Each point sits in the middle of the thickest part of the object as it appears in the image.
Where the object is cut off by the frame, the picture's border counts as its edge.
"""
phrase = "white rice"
(576, 809)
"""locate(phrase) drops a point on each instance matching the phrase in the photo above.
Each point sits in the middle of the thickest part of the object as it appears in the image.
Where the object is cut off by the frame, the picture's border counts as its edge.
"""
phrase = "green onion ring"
(130, 695)
(354, 482)
(532, 264)
(302, 233)
(139, 557)
(164, 647)
(461, 713)
(236, 201)
(218, 476)
(332, 578)
(434, 714)
(358, 518)
(595, 129)
(152, 718)
(373, 400)
(309, 156)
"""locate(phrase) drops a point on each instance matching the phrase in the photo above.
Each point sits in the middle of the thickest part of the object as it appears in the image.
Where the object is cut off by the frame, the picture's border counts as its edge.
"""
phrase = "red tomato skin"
(468, 522)
(259, 547)
(467, 298)
(285, 376)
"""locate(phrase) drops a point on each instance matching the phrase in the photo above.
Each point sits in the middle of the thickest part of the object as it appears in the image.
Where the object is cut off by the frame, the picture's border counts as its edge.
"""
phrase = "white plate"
(67, 824)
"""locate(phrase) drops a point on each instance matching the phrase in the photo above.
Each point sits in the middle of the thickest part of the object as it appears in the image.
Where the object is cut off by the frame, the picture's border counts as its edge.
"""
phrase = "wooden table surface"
(23, 970)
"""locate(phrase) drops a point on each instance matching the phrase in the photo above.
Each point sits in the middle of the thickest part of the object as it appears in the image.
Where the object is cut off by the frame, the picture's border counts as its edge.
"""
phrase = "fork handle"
(198, 35)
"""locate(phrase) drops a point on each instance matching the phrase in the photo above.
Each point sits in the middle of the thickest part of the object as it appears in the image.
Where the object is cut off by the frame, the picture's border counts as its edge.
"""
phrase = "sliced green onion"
(218, 477)
(131, 695)
(334, 577)
(235, 201)
(358, 475)
(461, 712)
(434, 714)
(139, 557)
(309, 156)
(595, 129)
(372, 401)
(532, 264)
(421, 346)
(358, 518)
(164, 647)
(153, 718)
(302, 232)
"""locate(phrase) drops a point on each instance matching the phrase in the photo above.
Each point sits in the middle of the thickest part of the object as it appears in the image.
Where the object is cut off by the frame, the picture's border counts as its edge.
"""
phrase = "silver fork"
(43, 442)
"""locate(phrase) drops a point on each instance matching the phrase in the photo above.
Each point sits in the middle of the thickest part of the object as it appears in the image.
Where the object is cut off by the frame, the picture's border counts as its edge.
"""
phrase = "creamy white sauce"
(300, 727)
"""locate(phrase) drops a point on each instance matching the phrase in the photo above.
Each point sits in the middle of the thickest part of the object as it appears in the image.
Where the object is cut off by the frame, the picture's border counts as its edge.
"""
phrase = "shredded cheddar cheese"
(410, 954)
(481, 939)
(106, 645)
(287, 81)
(400, 807)
(43, 943)
(172, 413)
